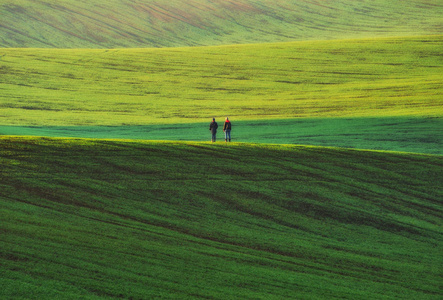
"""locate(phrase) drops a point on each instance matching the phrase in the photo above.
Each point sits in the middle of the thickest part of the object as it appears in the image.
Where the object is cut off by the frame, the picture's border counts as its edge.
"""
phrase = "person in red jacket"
(227, 129)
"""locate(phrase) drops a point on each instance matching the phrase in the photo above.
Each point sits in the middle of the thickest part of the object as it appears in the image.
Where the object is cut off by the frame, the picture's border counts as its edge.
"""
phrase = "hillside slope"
(167, 23)
(344, 78)
(102, 219)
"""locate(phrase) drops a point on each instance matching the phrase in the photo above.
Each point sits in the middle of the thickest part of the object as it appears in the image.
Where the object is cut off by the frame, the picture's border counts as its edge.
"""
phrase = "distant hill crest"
(172, 23)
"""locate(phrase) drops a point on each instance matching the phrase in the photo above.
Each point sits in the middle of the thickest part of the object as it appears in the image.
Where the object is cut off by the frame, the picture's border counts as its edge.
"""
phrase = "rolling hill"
(340, 78)
(106, 218)
(171, 23)
(380, 93)
(101, 219)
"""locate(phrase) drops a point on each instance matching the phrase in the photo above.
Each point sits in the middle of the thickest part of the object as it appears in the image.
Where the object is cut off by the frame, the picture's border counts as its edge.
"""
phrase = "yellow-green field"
(347, 78)
(115, 217)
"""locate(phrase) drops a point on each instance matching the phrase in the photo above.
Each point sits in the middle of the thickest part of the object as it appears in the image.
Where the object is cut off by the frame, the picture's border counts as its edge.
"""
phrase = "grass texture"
(347, 78)
(406, 134)
(96, 219)
(172, 23)
(106, 218)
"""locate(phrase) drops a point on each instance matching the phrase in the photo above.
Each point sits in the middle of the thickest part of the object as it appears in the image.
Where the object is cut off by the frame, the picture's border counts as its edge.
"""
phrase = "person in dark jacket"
(227, 129)
(213, 128)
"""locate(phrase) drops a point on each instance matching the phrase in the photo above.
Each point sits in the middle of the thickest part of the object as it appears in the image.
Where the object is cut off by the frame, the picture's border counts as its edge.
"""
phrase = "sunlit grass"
(372, 77)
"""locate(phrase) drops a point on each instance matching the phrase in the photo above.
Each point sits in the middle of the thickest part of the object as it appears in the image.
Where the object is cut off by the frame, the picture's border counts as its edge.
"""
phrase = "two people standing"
(226, 129)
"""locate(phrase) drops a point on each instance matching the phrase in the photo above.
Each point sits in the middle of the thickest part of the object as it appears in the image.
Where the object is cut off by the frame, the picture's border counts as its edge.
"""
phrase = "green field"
(172, 23)
(87, 218)
(331, 188)
(348, 78)
(406, 134)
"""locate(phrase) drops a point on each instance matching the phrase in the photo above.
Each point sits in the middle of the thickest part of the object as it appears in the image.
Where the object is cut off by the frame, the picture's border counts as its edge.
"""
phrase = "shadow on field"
(407, 134)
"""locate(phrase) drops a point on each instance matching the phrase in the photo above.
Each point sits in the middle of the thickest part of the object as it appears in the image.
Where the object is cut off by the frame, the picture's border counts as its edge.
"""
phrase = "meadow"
(103, 219)
(405, 134)
(105, 213)
(172, 23)
(347, 78)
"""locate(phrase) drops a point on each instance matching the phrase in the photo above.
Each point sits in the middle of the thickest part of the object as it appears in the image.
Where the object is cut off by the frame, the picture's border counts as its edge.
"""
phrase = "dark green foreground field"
(85, 218)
